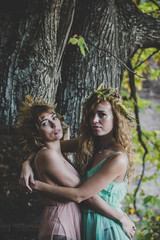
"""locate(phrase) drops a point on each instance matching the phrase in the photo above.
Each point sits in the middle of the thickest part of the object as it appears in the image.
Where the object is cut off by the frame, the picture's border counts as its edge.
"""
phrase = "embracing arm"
(108, 173)
(66, 177)
(103, 208)
(81, 193)
(98, 204)
(27, 175)
(69, 145)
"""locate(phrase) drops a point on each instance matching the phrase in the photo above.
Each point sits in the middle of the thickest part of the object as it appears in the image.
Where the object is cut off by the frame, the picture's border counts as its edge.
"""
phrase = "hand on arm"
(27, 175)
(110, 171)
(105, 209)
(73, 194)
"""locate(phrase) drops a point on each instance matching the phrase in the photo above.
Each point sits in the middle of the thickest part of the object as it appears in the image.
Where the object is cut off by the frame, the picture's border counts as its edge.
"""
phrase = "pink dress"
(60, 221)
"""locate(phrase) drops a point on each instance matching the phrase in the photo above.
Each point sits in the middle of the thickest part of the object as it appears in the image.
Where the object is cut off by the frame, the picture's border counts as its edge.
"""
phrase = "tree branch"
(138, 65)
(136, 110)
(105, 52)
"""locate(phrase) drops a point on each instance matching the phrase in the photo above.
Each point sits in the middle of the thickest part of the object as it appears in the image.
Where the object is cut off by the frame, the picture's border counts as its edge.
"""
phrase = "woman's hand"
(128, 226)
(26, 177)
(36, 185)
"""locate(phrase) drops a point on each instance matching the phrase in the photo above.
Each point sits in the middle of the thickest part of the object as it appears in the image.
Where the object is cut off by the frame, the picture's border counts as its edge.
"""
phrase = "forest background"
(63, 50)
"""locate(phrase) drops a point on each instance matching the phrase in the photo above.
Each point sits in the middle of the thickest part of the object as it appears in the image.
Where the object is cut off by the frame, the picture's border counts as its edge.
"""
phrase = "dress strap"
(114, 154)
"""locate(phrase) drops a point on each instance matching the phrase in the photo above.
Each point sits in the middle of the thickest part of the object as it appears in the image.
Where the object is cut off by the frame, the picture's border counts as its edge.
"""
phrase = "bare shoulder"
(48, 155)
(118, 148)
(117, 156)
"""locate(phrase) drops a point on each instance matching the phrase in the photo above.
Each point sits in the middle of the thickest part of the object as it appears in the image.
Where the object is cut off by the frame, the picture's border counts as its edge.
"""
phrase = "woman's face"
(102, 119)
(50, 127)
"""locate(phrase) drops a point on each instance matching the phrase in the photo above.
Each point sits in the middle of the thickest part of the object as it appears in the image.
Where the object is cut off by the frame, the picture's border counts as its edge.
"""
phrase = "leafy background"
(143, 201)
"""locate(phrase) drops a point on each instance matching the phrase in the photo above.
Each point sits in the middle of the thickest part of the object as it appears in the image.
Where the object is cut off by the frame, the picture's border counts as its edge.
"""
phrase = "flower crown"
(27, 124)
(112, 95)
(26, 108)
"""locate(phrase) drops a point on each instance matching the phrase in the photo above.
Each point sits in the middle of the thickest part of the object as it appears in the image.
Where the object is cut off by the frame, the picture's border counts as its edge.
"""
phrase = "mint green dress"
(96, 226)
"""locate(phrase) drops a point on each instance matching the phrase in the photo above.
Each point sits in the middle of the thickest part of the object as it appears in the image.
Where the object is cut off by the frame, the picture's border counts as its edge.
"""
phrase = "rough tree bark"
(117, 26)
(35, 39)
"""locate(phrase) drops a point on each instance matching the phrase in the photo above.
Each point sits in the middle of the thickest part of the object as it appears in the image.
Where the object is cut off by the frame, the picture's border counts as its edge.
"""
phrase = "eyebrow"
(44, 119)
(102, 111)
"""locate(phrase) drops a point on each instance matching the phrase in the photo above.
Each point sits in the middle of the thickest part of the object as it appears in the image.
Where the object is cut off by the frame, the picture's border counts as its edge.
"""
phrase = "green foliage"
(152, 200)
(144, 59)
(149, 227)
(150, 8)
(142, 63)
(80, 42)
(153, 177)
(146, 63)
(151, 139)
(141, 103)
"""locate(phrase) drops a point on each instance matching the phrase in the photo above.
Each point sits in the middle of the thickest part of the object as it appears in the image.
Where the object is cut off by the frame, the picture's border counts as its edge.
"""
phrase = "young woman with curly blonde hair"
(89, 144)
(105, 155)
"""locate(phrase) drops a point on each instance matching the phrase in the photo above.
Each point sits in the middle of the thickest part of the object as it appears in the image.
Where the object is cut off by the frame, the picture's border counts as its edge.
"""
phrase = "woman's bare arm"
(100, 206)
(69, 145)
(111, 169)
(27, 175)
(54, 168)
(96, 201)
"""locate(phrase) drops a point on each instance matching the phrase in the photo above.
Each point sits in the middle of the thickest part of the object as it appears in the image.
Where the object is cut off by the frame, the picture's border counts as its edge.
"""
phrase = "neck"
(105, 140)
(54, 145)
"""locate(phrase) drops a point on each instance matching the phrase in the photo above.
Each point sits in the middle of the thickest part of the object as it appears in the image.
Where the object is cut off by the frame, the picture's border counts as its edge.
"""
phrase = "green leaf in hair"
(125, 112)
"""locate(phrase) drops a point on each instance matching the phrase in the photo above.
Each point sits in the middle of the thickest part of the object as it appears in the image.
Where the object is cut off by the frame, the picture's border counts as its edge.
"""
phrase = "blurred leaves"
(146, 62)
(80, 42)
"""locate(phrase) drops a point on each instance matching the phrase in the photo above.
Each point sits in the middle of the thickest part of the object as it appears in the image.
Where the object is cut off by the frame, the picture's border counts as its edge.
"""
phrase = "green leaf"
(82, 51)
(86, 47)
(80, 42)
(149, 8)
(153, 200)
(146, 224)
(147, 199)
(158, 202)
(148, 236)
(73, 41)
(148, 178)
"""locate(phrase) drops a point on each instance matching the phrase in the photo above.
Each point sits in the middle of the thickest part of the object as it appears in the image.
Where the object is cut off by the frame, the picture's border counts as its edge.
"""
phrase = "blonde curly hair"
(29, 122)
(121, 131)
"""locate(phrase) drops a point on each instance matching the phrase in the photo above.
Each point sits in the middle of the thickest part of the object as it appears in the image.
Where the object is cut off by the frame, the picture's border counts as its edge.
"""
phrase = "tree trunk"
(34, 38)
(107, 26)
(36, 35)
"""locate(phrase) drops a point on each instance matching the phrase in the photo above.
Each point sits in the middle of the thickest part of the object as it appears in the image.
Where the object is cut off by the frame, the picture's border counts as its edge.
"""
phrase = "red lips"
(57, 131)
(96, 127)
